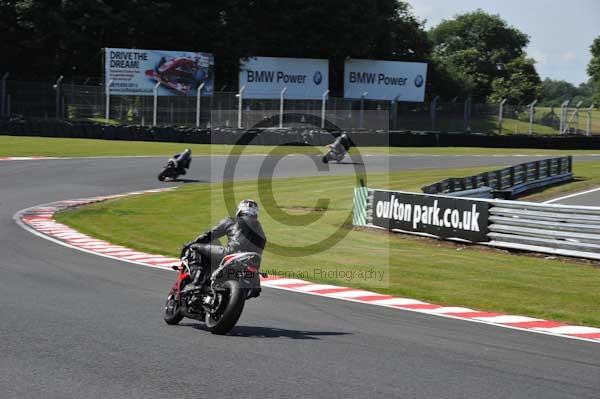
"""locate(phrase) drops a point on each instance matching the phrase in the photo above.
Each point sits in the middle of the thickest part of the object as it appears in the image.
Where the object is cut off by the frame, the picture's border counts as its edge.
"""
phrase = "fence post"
(573, 116)
(501, 115)
(563, 116)
(531, 114)
(281, 95)
(589, 120)
(433, 110)
(576, 116)
(107, 110)
(198, 99)
(323, 107)
(57, 88)
(239, 96)
(467, 114)
(3, 107)
(362, 108)
(395, 112)
(155, 105)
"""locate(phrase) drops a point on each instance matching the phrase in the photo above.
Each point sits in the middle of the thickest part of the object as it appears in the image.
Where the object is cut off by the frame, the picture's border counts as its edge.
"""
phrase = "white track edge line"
(571, 196)
(17, 218)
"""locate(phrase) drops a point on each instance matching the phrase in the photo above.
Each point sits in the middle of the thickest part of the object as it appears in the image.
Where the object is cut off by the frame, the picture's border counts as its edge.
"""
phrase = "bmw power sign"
(385, 80)
(266, 77)
(317, 78)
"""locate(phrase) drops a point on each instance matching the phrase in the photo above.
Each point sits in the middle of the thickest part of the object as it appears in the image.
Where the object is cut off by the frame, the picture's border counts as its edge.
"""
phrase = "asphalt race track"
(75, 325)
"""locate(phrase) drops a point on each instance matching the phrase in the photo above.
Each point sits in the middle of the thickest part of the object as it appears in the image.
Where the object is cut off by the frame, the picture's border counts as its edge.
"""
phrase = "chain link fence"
(87, 100)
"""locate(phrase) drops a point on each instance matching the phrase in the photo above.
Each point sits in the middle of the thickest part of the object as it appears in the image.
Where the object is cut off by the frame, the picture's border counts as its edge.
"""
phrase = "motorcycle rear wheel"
(172, 310)
(225, 321)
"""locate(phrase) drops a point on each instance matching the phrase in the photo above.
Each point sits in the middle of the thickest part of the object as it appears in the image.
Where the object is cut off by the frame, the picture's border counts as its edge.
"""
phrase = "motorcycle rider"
(244, 233)
(183, 161)
(341, 144)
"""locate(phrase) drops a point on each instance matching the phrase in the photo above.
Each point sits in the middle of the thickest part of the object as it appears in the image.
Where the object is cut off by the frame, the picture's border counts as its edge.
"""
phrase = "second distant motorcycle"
(176, 166)
(337, 149)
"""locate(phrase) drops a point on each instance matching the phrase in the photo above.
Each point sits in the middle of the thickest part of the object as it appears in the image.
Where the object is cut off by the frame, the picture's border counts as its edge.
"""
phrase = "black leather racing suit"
(244, 234)
(183, 160)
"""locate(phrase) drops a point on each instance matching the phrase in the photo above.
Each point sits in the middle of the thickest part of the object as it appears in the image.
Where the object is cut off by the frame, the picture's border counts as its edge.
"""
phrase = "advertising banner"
(135, 72)
(439, 216)
(265, 77)
(385, 80)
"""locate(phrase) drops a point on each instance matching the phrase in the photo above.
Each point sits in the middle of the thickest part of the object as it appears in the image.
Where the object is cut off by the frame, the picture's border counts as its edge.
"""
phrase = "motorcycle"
(169, 171)
(220, 300)
(334, 155)
(337, 150)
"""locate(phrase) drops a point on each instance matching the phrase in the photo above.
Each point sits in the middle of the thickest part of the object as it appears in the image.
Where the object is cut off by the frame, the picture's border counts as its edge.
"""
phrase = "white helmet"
(247, 207)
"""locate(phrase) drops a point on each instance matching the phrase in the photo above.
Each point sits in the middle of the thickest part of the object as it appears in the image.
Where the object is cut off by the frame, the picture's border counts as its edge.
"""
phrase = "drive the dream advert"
(137, 72)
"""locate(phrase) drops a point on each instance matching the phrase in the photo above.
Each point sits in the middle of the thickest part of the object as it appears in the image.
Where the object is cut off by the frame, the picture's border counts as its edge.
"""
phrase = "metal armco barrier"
(546, 228)
(508, 182)
(555, 229)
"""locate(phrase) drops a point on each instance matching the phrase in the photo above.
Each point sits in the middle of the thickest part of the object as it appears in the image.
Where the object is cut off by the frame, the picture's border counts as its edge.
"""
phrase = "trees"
(593, 69)
(49, 38)
(484, 55)
(555, 92)
(519, 82)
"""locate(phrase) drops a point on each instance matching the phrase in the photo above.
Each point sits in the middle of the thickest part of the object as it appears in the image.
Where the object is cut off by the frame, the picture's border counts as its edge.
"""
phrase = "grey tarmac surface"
(75, 325)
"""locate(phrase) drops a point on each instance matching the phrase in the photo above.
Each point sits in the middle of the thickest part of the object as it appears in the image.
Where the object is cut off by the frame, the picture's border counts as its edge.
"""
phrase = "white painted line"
(503, 319)
(570, 330)
(315, 287)
(136, 256)
(449, 309)
(152, 259)
(286, 281)
(110, 250)
(351, 294)
(397, 302)
(572, 195)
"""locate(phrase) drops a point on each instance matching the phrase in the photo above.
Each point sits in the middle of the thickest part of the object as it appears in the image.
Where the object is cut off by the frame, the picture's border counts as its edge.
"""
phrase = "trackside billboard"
(265, 77)
(136, 72)
(445, 217)
(385, 80)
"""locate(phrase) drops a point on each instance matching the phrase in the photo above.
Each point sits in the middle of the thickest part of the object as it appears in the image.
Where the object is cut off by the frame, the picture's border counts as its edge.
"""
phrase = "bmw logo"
(419, 81)
(317, 78)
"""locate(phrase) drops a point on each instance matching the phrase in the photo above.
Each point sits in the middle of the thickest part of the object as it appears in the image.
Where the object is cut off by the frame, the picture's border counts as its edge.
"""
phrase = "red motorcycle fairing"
(180, 282)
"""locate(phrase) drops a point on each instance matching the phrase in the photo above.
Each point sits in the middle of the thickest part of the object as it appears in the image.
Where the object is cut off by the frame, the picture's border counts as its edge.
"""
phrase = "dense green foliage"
(49, 38)
(594, 69)
(554, 92)
(485, 55)
(474, 55)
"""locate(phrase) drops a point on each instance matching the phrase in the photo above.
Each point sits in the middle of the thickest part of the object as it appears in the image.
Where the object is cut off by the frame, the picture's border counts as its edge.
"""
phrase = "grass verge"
(15, 146)
(425, 269)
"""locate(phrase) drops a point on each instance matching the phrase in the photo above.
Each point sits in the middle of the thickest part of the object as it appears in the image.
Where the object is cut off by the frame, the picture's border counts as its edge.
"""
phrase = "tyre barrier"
(509, 182)
(286, 136)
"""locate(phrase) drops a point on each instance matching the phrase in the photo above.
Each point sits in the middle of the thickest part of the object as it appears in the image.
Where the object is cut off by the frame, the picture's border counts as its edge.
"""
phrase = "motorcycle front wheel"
(172, 310)
(229, 311)
(163, 175)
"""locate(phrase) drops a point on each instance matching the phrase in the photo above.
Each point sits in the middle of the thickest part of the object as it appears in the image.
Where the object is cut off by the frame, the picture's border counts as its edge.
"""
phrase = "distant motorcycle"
(220, 300)
(334, 155)
(176, 166)
(338, 149)
(169, 171)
